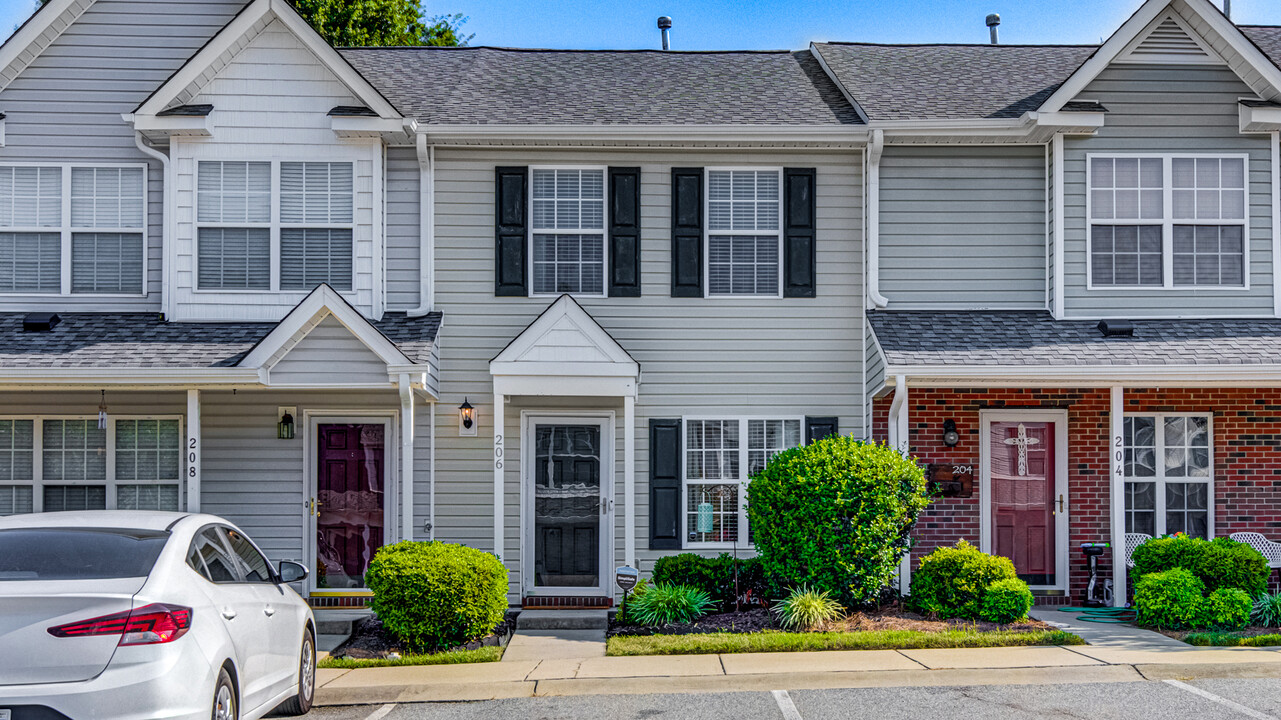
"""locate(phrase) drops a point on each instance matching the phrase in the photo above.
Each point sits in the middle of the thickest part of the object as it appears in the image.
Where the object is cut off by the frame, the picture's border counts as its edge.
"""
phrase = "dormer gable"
(1168, 40)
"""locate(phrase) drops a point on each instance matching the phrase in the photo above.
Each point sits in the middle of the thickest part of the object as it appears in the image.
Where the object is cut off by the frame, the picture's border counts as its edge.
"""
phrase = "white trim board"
(322, 301)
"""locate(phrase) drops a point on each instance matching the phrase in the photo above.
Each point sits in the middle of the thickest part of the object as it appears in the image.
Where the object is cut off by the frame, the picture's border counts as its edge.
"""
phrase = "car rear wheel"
(224, 700)
(300, 704)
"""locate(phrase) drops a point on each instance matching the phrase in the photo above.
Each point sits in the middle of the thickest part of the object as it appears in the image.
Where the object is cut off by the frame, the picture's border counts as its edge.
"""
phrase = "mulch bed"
(758, 619)
(370, 640)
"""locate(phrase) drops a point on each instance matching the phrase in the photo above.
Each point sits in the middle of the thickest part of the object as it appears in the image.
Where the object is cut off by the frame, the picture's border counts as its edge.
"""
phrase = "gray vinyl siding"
(403, 243)
(697, 356)
(1164, 109)
(963, 227)
(66, 106)
(329, 355)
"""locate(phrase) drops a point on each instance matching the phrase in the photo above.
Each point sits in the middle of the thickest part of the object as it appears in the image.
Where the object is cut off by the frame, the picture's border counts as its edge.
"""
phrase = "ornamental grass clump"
(806, 609)
(836, 516)
(667, 604)
(1267, 610)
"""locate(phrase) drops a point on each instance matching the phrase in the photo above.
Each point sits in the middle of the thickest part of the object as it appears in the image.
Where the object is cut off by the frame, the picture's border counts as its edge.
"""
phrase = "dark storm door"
(568, 506)
(1023, 484)
(350, 496)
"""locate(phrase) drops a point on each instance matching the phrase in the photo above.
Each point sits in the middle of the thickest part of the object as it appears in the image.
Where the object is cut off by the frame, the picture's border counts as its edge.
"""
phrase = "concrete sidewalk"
(802, 670)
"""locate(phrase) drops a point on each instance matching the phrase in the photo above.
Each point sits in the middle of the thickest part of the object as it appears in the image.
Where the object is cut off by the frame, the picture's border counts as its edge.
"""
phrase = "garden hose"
(1109, 615)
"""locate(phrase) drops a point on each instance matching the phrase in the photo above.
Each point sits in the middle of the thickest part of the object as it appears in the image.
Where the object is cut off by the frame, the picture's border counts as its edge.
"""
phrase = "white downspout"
(166, 286)
(406, 457)
(875, 145)
(426, 227)
(431, 464)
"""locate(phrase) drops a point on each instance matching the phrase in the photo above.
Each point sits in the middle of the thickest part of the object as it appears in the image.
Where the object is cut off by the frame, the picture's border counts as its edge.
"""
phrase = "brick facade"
(1246, 452)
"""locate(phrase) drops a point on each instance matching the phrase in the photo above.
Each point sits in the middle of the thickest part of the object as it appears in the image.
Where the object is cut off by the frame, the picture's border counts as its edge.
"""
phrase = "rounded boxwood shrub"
(1006, 601)
(1226, 609)
(1170, 600)
(435, 595)
(1219, 563)
(951, 581)
(835, 516)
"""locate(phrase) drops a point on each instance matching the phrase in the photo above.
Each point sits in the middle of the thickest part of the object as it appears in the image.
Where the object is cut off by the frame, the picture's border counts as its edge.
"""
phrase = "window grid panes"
(315, 193)
(1168, 221)
(30, 262)
(17, 466)
(234, 258)
(149, 459)
(106, 263)
(568, 235)
(721, 455)
(1168, 473)
(310, 256)
(30, 197)
(104, 197)
(744, 232)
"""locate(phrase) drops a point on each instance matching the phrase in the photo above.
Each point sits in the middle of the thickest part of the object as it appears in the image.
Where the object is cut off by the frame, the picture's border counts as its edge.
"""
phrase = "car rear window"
(78, 554)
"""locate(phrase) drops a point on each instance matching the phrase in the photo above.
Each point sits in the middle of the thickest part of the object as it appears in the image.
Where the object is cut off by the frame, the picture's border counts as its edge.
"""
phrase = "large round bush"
(435, 595)
(951, 581)
(1170, 600)
(1219, 563)
(1006, 601)
(835, 515)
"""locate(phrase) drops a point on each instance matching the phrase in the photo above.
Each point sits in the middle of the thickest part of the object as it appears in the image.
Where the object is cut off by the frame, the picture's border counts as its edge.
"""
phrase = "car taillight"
(147, 625)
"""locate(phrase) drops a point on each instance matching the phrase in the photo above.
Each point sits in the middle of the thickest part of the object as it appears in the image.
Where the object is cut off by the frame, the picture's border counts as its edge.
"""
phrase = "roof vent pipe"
(993, 21)
(665, 24)
(1227, 8)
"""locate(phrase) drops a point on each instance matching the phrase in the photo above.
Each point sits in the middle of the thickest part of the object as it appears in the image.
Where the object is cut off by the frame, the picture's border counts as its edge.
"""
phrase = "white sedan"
(116, 614)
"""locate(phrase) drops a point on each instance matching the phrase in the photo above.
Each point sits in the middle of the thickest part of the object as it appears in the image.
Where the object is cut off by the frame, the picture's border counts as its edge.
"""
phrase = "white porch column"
(1116, 455)
(406, 458)
(193, 451)
(499, 512)
(629, 480)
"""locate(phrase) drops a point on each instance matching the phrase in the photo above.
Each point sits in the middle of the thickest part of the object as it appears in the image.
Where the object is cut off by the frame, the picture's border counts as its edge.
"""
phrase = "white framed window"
(721, 455)
(49, 464)
(1168, 221)
(1168, 466)
(73, 229)
(744, 244)
(274, 226)
(567, 230)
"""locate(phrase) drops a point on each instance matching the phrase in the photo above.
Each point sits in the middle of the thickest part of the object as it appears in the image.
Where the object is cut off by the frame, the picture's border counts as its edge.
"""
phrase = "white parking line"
(786, 705)
(381, 712)
(1250, 712)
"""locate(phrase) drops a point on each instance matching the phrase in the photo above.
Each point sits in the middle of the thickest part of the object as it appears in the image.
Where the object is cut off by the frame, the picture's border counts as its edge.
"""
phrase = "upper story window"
(274, 225)
(1168, 221)
(72, 229)
(568, 229)
(744, 235)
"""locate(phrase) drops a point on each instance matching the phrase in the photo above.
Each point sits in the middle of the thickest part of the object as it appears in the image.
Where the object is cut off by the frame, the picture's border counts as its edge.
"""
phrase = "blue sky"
(772, 24)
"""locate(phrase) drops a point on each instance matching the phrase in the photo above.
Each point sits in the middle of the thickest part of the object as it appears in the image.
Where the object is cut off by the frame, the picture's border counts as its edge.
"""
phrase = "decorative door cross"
(1022, 442)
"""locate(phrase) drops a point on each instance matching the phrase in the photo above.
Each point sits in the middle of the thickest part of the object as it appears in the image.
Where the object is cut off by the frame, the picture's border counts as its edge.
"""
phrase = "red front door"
(1022, 465)
(349, 502)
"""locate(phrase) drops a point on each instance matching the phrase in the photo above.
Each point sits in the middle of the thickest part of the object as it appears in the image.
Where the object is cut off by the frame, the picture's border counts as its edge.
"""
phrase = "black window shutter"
(624, 232)
(817, 428)
(511, 201)
(664, 484)
(798, 233)
(687, 232)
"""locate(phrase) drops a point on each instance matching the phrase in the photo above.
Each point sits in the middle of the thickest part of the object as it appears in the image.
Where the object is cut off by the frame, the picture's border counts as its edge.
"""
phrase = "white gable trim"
(1268, 81)
(36, 34)
(595, 365)
(249, 21)
(1138, 50)
(321, 303)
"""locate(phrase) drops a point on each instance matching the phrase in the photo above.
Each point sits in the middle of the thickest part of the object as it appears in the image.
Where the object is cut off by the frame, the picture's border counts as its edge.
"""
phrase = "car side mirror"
(291, 571)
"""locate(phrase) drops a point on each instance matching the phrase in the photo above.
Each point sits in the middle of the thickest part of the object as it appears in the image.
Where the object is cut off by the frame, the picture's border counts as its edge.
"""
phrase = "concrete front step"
(563, 620)
(338, 621)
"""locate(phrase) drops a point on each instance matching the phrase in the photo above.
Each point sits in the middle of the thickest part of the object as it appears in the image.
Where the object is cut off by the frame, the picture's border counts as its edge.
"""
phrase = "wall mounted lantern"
(466, 419)
(950, 436)
(285, 428)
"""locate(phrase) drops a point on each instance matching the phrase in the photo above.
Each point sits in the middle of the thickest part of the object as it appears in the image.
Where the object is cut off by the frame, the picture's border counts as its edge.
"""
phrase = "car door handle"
(269, 611)
(228, 613)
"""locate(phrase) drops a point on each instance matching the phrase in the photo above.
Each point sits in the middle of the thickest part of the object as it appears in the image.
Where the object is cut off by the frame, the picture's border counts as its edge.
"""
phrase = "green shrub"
(714, 575)
(1006, 601)
(951, 581)
(1219, 563)
(805, 609)
(1226, 609)
(434, 595)
(835, 515)
(1267, 610)
(1171, 600)
(663, 604)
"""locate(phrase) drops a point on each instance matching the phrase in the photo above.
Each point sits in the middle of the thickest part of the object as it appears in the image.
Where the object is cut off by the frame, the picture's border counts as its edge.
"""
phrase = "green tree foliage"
(366, 23)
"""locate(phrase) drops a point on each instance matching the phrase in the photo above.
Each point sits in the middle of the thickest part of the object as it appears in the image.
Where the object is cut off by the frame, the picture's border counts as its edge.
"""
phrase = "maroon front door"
(1022, 465)
(349, 502)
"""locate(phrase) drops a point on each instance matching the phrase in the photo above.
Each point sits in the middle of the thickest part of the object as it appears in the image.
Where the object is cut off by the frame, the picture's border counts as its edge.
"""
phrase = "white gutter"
(649, 133)
(166, 286)
(426, 226)
(1208, 375)
(134, 376)
(875, 145)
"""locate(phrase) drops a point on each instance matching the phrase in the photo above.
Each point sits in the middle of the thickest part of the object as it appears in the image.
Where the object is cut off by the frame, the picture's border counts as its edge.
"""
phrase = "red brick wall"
(1247, 457)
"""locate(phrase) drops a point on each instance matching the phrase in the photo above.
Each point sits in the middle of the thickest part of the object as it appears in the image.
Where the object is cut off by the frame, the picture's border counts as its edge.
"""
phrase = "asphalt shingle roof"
(480, 85)
(1267, 38)
(1035, 338)
(899, 82)
(144, 340)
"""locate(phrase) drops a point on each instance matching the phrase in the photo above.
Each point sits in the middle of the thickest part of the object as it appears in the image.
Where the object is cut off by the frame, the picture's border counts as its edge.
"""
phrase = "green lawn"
(479, 655)
(772, 641)
(1228, 639)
